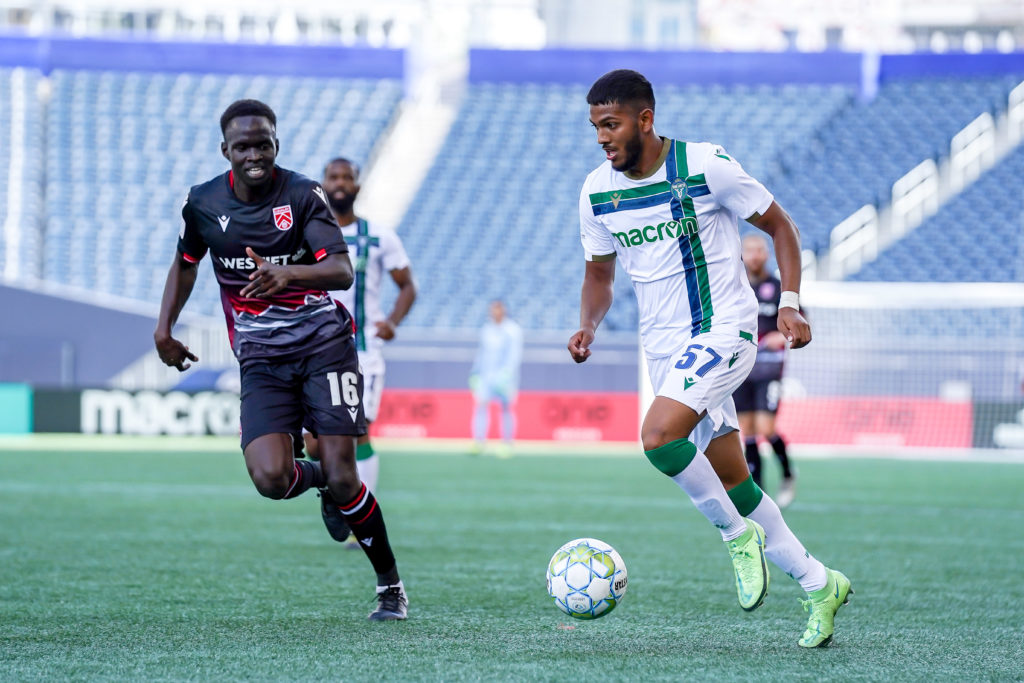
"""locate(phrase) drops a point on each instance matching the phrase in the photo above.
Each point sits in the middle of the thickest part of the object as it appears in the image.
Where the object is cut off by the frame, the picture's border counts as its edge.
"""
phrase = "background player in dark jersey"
(757, 399)
(276, 250)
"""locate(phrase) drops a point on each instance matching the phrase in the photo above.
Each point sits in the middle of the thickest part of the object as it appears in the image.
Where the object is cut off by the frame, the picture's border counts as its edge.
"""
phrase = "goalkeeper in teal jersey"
(667, 211)
(495, 377)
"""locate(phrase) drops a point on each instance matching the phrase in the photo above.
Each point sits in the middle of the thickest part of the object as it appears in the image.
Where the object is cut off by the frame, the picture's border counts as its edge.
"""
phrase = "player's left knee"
(271, 482)
(344, 485)
(656, 436)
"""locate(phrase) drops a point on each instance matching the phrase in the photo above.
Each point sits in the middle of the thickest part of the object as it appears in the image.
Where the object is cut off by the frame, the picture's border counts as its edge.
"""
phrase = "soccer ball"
(586, 578)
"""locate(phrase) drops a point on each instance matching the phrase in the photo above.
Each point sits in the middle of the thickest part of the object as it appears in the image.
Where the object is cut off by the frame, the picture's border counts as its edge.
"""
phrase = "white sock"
(381, 589)
(785, 550)
(368, 470)
(705, 489)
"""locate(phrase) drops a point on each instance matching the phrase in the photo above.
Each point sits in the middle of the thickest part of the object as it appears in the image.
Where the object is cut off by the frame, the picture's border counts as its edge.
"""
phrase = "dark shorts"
(323, 391)
(757, 395)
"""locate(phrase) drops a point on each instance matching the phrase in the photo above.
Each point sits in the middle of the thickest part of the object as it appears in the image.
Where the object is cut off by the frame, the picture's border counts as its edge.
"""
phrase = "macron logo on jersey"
(319, 192)
(223, 220)
(654, 233)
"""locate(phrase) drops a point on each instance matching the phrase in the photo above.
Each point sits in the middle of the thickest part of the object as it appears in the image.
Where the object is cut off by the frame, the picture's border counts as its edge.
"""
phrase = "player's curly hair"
(246, 108)
(622, 86)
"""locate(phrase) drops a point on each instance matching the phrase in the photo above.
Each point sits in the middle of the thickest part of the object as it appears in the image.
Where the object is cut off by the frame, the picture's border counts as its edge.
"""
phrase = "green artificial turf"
(169, 566)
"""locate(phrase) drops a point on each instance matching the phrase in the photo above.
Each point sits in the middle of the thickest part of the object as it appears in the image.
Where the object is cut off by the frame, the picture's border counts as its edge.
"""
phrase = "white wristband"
(789, 300)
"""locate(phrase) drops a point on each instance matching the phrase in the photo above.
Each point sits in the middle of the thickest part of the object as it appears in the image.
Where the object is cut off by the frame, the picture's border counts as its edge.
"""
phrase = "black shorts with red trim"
(757, 395)
(323, 390)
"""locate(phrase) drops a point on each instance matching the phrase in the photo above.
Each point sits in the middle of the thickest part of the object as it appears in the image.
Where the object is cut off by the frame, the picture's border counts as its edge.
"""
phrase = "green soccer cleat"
(747, 553)
(823, 605)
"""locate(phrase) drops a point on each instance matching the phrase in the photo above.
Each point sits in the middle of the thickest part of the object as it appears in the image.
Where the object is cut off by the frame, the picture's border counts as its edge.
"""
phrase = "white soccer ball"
(586, 578)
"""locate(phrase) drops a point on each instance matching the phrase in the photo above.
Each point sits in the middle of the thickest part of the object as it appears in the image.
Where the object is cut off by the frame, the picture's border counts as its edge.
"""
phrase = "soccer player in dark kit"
(757, 398)
(276, 250)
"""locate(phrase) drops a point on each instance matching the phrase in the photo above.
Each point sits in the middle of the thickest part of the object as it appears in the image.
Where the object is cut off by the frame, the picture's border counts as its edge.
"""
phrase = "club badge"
(679, 189)
(283, 217)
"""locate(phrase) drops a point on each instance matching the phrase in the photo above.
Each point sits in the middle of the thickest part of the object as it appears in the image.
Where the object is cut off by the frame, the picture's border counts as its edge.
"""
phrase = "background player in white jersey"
(374, 251)
(495, 377)
(668, 211)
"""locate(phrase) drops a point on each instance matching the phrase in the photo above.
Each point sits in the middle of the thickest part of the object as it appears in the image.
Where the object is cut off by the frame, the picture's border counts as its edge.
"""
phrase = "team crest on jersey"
(283, 217)
(679, 189)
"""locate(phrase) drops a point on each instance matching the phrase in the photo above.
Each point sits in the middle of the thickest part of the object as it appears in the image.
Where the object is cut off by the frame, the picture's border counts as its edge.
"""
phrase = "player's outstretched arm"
(403, 302)
(181, 278)
(334, 271)
(595, 300)
(777, 223)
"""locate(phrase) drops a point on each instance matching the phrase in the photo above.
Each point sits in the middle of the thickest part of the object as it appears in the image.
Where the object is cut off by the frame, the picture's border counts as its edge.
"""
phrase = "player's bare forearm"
(786, 238)
(777, 223)
(406, 294)
(334, 271)
(595, 300)
(181, 278)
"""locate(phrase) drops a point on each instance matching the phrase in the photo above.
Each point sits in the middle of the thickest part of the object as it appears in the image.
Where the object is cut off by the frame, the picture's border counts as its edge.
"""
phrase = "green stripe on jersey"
(697, 249)
(617, 196)
(362, 230)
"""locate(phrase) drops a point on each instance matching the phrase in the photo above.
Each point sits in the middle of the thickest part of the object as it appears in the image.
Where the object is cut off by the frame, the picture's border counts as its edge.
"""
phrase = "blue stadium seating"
(500, 201)
(125, 147)
(857, 155)
(498, 211)
(19, 161)
(977, 237)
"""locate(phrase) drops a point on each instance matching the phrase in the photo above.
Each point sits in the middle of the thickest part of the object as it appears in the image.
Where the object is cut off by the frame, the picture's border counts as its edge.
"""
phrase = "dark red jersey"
(769, 363)
(292, 224)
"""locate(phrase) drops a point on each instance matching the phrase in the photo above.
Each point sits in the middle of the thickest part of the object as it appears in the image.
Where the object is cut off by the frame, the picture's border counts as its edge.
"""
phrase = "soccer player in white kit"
(374, 250)
(667, 210)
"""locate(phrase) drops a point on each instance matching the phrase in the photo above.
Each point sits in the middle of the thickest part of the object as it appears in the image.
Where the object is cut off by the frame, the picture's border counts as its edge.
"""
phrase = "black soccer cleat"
(392, 605)
(335, 522)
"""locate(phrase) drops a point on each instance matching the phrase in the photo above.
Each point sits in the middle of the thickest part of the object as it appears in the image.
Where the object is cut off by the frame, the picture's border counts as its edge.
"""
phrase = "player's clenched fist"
(579, 345)
(795, 327)
(269, 279)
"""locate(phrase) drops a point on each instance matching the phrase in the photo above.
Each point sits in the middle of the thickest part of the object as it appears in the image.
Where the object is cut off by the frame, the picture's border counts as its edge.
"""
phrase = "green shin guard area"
(364, 451)
(746, 497)
(673, 457)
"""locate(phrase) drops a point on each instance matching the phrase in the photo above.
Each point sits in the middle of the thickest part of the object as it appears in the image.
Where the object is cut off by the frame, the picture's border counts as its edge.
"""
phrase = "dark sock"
(367, 523)
(753, 460)
(779, 446)
(306, 475)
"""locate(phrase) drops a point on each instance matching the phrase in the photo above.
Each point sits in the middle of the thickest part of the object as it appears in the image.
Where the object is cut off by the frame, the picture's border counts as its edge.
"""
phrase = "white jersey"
(675, 234)
(374, 251)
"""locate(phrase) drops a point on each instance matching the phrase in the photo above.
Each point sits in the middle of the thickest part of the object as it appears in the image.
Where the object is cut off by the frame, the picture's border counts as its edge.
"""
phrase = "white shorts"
(373, 388)
(493, 389)
(371, 364)
(703, 375)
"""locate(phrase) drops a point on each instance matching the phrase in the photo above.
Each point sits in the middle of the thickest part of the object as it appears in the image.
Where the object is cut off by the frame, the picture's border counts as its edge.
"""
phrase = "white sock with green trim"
(784, 549)
(699, 481)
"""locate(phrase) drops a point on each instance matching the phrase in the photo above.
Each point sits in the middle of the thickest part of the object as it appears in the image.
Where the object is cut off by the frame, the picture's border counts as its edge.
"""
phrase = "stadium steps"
(977, 211)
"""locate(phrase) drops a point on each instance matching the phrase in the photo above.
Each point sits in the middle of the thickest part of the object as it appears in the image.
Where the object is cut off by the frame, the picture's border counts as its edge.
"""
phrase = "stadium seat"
(125, 147)
(977, 237)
